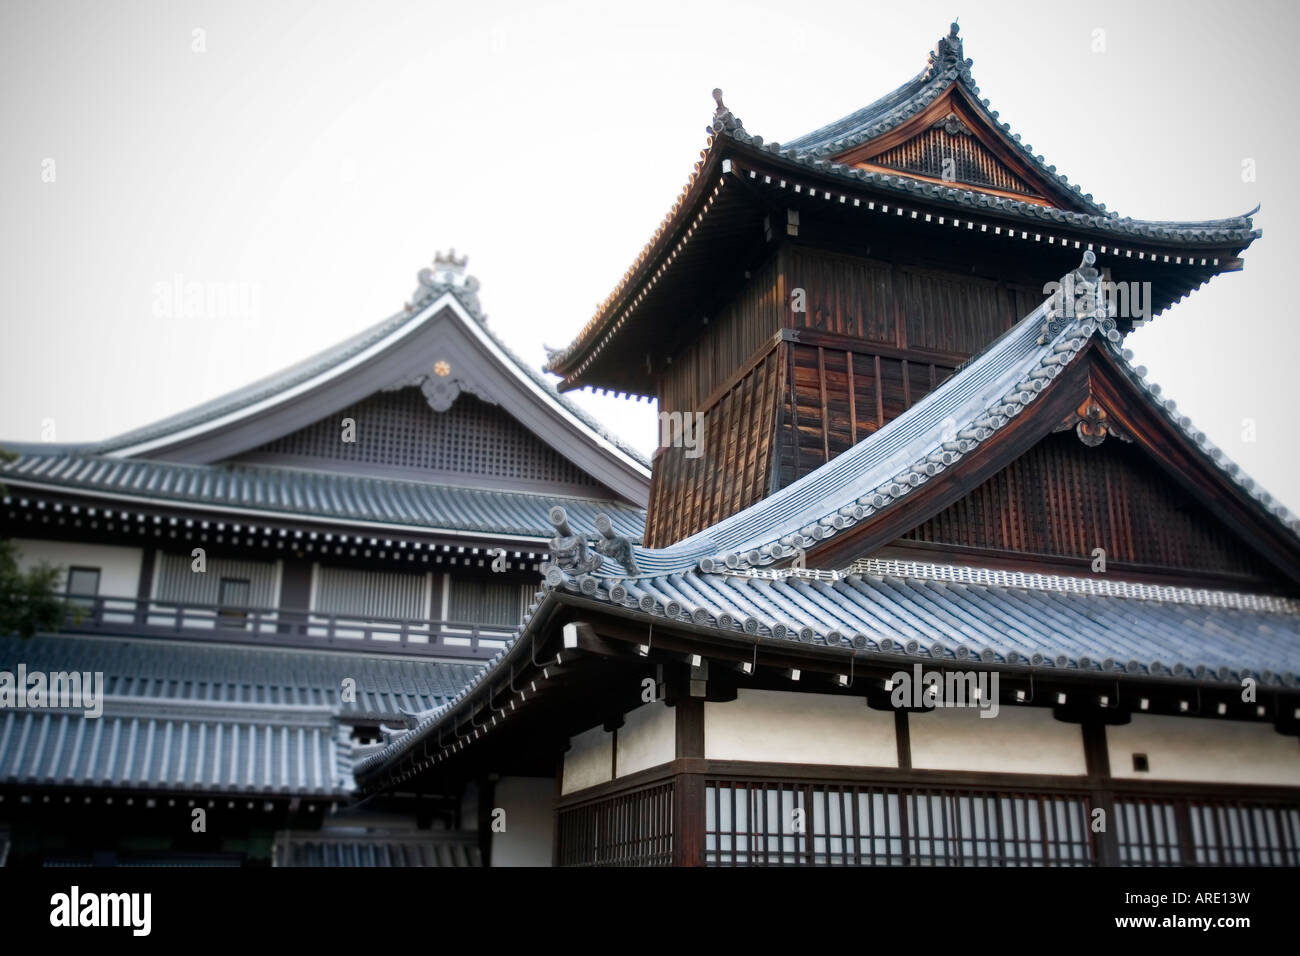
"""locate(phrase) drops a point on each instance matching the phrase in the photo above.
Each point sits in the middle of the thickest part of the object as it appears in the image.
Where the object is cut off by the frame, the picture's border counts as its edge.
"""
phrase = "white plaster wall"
(793, 727)
(647, 738)
(529, 821)
(119, 567)
(589, 760)
(1017, 740)
(1200, 749)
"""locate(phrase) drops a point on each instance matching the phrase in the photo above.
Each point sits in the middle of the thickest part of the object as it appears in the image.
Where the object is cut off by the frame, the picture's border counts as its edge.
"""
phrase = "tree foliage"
(29, 600)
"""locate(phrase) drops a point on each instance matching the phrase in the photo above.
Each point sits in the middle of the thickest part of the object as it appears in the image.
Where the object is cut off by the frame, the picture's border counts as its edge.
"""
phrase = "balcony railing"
(283, 627)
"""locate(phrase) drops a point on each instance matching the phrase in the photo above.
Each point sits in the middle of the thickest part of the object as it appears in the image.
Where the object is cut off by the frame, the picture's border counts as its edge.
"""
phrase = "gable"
(401, 433)
(441, 343)
(949, 152)
(1062, 499)
(1165, 504)
(954, 142)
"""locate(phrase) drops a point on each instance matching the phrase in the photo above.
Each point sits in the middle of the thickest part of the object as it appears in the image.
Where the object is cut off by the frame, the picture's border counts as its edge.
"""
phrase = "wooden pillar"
(295, 594)
(144, 589)
(903, 737)
(688, 788)
(1101, 796)
(486, 795)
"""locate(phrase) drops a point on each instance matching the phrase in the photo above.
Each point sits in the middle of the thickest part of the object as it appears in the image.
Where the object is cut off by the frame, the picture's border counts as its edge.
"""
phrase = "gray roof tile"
(291, 491)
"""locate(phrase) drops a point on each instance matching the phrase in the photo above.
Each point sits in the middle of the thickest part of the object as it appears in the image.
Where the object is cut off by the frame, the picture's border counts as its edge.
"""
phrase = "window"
(486, 602)
(789, 823)
(233, 596)
(356, 594)
(83, 586)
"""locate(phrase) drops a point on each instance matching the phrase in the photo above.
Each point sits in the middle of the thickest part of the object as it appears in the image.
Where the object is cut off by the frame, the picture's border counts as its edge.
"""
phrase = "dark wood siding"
(734, 469)
(971, 162)
(725, 345)
(1063, 499)
(836, 395)
(873, 339)
(903, 306)
(842, 294)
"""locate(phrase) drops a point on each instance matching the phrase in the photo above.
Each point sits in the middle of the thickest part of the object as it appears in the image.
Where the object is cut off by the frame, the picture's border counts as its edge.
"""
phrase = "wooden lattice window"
(372, 594)
(967, 161)
(628, 829)
(781, 823)
(484, 601)
(1206, 832)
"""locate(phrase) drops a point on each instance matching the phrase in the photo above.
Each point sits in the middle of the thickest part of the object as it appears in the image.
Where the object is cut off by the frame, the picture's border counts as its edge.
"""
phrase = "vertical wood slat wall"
(1062, 498)
(179, 583)
(737, 437)
(834, 398)
(971, 162)
(388, 594)
(877, 338)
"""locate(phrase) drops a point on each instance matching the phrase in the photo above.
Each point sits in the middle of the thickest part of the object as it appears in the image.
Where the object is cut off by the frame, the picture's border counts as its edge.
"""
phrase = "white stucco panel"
(1205, 750)
(589, 760)
(792, 727)
(647, 738)
(119, 567)
(1017, 740)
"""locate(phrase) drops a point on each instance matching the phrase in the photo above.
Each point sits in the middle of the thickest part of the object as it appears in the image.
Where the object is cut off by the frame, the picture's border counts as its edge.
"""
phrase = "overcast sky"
(309, 158)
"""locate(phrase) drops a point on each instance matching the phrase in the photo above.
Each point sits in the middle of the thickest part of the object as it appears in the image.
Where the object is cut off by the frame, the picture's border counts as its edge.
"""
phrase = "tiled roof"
(335, 848)
(934, 435)
(896, 107)
(291, 491)
(924, 618)
(210, 718)
(952, 620)
(1234, 229)
(433, 290)
(714, 579)
(276, 753)
(811, 152)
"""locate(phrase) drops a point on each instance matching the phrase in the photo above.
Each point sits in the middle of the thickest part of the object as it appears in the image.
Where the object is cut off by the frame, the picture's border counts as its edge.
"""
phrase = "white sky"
(320, 153)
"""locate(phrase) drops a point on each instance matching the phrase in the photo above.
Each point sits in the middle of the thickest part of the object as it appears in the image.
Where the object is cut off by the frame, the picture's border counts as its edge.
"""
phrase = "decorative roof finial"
(1079, 295)
(447, 275)
(569, 548)
(723, 118)
(946, 54)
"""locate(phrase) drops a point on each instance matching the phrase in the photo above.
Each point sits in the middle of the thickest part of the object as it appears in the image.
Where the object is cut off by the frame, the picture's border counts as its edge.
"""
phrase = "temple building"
(931, 573)
(275, 581)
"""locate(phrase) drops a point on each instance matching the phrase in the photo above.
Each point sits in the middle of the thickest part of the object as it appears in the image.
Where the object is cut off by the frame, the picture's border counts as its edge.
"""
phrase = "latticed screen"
(1155, 832)
(368, 594)
(967, 161)
(630, 829)
(756, 823)
(399, 430)
(179, 583)
(484, 601)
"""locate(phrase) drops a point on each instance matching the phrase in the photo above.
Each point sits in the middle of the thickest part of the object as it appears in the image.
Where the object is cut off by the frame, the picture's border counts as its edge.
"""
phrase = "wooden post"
(688, 788)
(1100, 795)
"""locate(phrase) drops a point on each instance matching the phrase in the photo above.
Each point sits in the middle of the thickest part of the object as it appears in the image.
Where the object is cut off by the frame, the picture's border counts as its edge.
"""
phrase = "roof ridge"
(447, 277)
(946, 66)
(928, 438)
